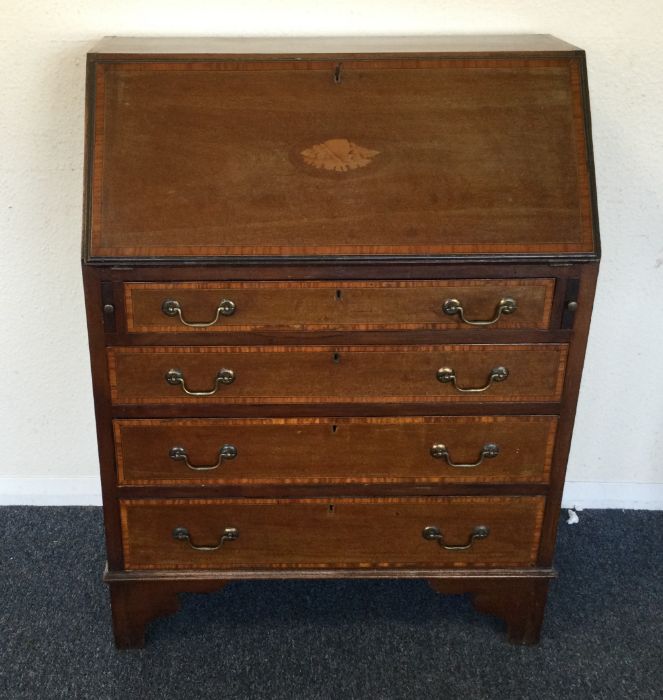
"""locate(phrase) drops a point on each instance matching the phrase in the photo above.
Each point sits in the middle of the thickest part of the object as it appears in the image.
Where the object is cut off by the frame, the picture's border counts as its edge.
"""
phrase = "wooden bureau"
(338, 297)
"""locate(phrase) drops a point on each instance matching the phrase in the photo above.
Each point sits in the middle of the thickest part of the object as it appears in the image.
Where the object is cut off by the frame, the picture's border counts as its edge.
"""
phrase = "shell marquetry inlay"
(338, 155)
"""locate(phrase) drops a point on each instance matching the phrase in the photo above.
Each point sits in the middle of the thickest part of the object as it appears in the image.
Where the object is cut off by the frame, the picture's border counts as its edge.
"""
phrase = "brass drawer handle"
(228, 535)
(447, 374)
(223, 376)
(488, 451)
(480, 532)
(172, 307)
(179, 454)
(451, 307)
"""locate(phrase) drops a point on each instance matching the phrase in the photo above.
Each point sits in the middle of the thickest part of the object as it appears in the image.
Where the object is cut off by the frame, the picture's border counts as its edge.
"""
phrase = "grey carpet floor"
(602, 638)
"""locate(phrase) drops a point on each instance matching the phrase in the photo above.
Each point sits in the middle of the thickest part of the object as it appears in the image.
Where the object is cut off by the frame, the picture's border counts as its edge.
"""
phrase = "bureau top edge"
(178, 48)
(359, 261)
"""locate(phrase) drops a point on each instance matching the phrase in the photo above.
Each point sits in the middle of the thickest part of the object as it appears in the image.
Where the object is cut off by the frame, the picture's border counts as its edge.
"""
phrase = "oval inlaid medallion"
(338, 155)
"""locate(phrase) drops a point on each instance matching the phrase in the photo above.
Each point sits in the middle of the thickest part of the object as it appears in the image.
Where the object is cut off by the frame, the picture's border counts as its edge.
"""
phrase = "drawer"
(503, 449)
(400, 305)
(353, 533)
(350, 374)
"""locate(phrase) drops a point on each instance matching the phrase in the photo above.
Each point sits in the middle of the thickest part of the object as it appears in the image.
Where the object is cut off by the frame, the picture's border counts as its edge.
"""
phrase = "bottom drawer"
(224, 533)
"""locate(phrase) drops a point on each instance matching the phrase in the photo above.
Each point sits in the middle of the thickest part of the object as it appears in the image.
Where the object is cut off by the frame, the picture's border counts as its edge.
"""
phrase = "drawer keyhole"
(337, 357)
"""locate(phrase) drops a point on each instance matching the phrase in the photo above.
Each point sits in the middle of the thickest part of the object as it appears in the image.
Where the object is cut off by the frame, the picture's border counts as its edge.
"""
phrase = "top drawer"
(308, 306)
(311, 156)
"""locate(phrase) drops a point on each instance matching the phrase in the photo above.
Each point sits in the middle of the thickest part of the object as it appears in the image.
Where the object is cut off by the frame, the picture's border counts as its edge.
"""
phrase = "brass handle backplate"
(447, 374)
(488, 451)
(451, 307)
(223, 376)
(172, 307)
(431, 532)
(179, 454)
(228, 535)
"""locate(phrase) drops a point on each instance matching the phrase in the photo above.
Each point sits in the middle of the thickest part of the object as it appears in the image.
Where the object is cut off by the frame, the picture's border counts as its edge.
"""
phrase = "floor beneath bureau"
(329, 639)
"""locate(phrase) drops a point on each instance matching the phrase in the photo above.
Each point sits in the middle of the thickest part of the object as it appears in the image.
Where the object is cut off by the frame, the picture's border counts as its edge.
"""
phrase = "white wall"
(47, 437)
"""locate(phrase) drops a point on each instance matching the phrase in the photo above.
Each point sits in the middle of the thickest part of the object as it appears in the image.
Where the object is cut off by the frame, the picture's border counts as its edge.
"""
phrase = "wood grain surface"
(475, 156)
(313, 451)
(367, 305)
(344, 532)
(188, 48)
(351, 374)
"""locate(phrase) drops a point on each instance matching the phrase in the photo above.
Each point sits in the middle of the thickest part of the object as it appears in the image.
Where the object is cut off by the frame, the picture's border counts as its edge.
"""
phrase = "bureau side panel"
(582, 316)
(96, 323)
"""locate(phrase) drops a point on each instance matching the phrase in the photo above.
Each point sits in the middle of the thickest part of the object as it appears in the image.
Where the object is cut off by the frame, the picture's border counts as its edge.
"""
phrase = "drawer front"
(350, 374)
(401, 305)
(353, 533)
(502, 449)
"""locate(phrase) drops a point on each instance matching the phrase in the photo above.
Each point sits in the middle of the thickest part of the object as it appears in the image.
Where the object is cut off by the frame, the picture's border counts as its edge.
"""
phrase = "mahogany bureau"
(338, 297)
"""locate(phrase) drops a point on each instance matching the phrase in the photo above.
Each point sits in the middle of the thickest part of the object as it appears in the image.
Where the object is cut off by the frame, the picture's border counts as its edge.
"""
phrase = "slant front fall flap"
(322, 157)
